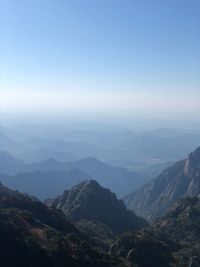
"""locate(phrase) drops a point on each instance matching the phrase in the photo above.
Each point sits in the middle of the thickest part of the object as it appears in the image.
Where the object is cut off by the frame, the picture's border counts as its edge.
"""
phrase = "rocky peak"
(192, 163)
(90, 201)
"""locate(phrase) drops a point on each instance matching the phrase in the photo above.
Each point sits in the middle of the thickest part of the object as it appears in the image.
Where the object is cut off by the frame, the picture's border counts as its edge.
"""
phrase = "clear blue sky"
(114, 55)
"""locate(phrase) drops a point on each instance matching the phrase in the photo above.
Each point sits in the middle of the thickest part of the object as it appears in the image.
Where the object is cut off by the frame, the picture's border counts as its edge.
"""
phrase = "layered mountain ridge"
(118, 179)
(43, 184)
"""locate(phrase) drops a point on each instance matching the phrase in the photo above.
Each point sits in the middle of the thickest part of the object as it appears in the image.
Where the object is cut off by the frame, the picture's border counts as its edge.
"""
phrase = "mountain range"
(118, 179)
(82, 222)
(43, 184)
(113, 145)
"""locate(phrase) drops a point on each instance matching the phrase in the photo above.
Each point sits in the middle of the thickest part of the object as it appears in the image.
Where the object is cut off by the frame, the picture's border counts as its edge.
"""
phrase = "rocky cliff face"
(180, 180)
(89, 201)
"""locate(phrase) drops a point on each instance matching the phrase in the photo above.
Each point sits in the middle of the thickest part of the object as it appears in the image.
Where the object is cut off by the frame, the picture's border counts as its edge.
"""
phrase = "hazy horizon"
(101, 122)
(105, 59)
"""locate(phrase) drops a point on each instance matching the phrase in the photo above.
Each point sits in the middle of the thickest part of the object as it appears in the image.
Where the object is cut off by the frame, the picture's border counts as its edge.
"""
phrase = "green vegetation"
(173, 240)
(89, 201)
(33, 235)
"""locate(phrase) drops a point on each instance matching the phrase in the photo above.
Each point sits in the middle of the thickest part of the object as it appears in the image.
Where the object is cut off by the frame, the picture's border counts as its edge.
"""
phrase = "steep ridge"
(180, 180)
(89, 201)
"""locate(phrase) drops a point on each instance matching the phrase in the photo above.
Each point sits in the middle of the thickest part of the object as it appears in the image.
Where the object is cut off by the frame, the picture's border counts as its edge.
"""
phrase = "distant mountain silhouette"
(117, 179)
(162, 132)
(43, 154)
(163, 147)
(89, 201)
(7, 143)
(11, 165)
(118, 147)
(180, 180)
(44, 184)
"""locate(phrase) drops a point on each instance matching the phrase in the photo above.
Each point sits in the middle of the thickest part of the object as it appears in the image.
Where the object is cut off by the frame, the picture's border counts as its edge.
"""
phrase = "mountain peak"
(88, 200)
(192, 162)
(194, 157)
(93, 184)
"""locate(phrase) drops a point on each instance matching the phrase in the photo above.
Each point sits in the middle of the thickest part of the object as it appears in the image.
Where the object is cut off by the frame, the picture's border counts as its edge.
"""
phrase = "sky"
(100, 56)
